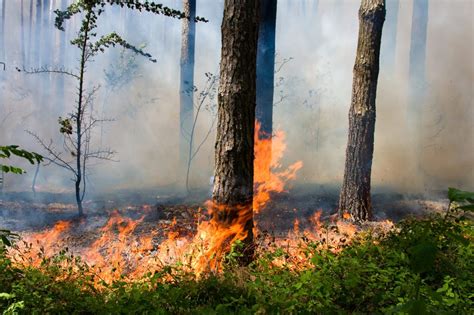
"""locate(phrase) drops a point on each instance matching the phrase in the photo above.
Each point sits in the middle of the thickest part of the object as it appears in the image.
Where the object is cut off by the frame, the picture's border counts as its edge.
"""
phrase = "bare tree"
(77, 150)
(355, 192)
(234, 149)
(204, 102)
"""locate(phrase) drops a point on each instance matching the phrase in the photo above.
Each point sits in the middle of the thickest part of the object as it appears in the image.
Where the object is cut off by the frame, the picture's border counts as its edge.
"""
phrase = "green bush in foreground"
(424, 266)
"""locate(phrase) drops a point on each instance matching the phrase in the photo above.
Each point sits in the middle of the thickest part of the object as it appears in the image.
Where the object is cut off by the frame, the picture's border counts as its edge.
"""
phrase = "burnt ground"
(21, 211)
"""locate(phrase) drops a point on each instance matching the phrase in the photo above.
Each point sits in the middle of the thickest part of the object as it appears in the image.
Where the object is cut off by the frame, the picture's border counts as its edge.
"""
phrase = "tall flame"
(119, 251)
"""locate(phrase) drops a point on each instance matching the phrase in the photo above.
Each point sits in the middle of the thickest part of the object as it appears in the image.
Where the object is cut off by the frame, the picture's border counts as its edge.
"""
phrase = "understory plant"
(422, 266)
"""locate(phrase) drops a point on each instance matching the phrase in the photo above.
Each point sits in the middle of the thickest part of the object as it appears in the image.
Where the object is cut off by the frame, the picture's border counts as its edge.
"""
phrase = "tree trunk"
(389, 40)
(37, 48)
(22, 34)
(186, 87)
(30, 29)
(417, 81)
(3, 57)
(265, 79)
(233, 181)
(355, 193)
(61, 62)
(266, 65)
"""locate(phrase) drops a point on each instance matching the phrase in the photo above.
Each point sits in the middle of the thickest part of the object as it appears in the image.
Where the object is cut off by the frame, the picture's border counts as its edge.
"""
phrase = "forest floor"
(24, 212)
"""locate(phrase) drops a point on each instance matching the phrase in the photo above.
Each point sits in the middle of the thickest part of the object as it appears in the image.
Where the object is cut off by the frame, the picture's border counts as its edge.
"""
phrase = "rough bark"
(233, 181)
(266, 65)
(355, 193)
(186, 87)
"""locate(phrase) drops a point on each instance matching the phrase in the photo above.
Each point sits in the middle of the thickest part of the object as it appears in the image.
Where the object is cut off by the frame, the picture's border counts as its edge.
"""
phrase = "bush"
(423, 266)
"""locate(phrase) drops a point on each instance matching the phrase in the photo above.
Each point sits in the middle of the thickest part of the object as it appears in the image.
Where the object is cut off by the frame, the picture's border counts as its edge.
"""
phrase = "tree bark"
(186, 88)
(355, 193)
(233, 181)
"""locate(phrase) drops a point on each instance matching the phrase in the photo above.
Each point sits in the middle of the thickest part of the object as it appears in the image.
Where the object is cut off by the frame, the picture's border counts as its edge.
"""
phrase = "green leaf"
(422, 256)
(460, 195)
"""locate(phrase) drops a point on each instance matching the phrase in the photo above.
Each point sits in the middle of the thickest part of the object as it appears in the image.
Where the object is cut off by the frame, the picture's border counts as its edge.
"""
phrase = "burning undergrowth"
(128, 245)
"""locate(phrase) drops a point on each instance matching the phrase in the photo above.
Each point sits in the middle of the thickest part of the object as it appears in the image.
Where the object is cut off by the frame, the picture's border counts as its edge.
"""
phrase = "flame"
(268, 174)
(120, 251)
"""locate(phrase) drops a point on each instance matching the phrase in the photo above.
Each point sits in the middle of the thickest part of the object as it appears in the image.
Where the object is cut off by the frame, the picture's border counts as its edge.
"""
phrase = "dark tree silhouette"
(233, 181)
(355, 193)
(266, 65)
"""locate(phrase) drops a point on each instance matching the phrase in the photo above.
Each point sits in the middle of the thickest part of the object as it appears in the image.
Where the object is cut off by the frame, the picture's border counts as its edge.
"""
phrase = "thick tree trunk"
(186, 88)
(233, 181)
(355, 193)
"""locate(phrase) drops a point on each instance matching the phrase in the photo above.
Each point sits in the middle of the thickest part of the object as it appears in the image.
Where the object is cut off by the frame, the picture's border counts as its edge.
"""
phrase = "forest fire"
(119, 251)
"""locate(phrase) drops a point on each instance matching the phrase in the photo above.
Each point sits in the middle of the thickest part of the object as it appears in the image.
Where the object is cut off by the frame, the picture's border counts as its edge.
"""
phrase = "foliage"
(424, 266)
(13, 150)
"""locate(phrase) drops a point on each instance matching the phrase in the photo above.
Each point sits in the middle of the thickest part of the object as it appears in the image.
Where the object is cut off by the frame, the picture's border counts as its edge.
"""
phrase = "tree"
(389, 40)
(233, 180)
(355, 193)
(186, 88)
(266, 72)
(417, 78)
(77, 128)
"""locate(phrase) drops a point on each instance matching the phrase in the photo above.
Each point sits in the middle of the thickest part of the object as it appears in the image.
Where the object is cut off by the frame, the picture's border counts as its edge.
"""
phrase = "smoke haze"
(316, 44)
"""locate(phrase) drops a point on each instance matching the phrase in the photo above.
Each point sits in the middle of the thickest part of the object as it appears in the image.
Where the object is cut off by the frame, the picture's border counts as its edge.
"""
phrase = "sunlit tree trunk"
(186, 88)
(233, 182)
(355, 193)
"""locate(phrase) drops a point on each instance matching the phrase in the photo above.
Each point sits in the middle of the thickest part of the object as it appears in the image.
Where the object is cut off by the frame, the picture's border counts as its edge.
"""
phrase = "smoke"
(312, 96)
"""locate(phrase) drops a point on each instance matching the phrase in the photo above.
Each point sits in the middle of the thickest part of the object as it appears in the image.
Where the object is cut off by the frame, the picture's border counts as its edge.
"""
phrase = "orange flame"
(119, 251)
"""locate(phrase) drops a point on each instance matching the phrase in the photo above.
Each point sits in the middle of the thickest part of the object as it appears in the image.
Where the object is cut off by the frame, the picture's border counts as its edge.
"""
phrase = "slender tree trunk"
(265, 79)
(389, 40)
(417, 79)
(61, 63)
(3, 57)
(186, 88)
(79, 116)
(38, 34)
(233, 181)
(22, 33)
(30, 29)
(266, 65)
(355, 193)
